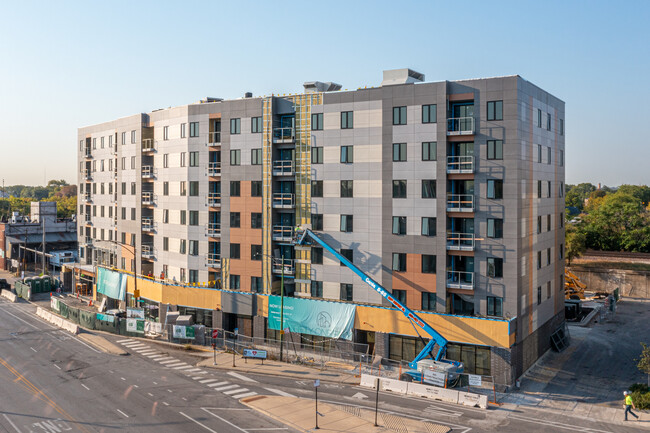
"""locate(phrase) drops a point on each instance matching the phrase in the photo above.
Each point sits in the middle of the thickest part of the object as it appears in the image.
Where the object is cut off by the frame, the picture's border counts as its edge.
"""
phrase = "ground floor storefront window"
(476, 359)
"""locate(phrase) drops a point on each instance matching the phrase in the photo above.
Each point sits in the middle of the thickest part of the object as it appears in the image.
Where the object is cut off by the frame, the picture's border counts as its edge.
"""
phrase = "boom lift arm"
(436, 338)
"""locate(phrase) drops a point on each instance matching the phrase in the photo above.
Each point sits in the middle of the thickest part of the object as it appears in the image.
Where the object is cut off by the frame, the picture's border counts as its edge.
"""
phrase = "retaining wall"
(633, 284)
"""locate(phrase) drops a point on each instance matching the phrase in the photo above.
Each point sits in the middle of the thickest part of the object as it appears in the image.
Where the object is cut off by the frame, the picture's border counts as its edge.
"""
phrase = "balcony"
(214, 260)
(214, 139)
(460, 126)
(147, 172)
(283, 168)
(87, 174)
(148, 145)
(460, 280)
(282, 233)
(88, 221)
(460, 241)
(87, 198)
(284, 135)
(147, 252)
(147, 198)
(88, 241)
(460, 164)
(214, 199)
(283, 266)
(460, 203)
(214, 230)
(283, 200)
(87, 153)
(147, 225)
(214, 169)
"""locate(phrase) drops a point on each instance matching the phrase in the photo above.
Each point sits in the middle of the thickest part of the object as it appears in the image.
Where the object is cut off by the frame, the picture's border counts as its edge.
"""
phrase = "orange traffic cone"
(90, 303)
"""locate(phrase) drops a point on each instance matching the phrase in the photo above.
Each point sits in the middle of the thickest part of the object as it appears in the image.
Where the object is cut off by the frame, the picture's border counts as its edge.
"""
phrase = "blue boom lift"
(420, 364)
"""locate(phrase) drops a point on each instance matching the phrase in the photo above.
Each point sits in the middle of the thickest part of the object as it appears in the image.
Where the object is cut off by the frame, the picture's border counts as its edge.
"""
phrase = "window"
(183, 217)
(182, 159)
(256, 220)
(347, 120)
(539, 153)
(399, 189)
(539, 260)
(346, 292)
(539, 189)
(194, 188)
(133, 188)
(110, 140)
(346, 223)
(94, 143)
(548, 290)
(548, 256)
(316, 289)
(429, 113)
(234, 282)
(183, 128)
(495, 267)
(194, 129)
(235, 126)
(317, 122)
(102, 141)
(399, 115)
(194, 217)
(123, 213)
(316, 256)
(561, 189)
(347, 254)
(428, 264)
(133, 162)
(165, 188)
(182, 190)
(317, 155)
(428, 188)
(234, 251)
(539, 118)
(235, 219)
(235, 188)
(165, 244)
(561, 252)
(165, 216)
(194, 159)
(399, 262)
(428, 226)
(235, 157)
(548, 222)
(316, 221)
(347, 188)
(133, 137)
(400, 295)
(561, 158)
(256, 125)
(256, 188)
(428, 301)
(347, 155)
(539, 224)
(182, 247)
(124, 138)
(495, 149)
(548, 189)
(494, 306)
(256, 157)
(429, 151)
(194, 276)
(399, 225)
(548, 121)
(495, 189)
(399, 152)
(256, 285)
(495, 110)
(101, 164)
(124, 163)
(561, 126)
(165, 133)
(548, 155)
(539, 295)
(494, 228)
(561, 219)
(316, 188)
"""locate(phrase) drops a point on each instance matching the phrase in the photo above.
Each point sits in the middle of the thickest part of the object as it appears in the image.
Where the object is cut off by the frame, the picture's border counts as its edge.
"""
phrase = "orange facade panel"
(414, 281)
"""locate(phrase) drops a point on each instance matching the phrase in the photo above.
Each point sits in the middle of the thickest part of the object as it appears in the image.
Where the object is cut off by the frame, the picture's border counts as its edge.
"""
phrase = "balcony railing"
(460, 126)
(214, 199)
(148, 145)
(282, 233)
(214, 168)
(88, 153)
(88, 240)
(283, 135)
(87, 174)
(147, 224)
(147, 172)
(214, 230)
(87, 198)
(214, 260)
(460, 164)
(283, 200)
(147, 198)
(460, 280)
(460, 241)
(460, 203)
(282, 265)
(283, 168)
(147, 251)
(88, 221)
(214, 138)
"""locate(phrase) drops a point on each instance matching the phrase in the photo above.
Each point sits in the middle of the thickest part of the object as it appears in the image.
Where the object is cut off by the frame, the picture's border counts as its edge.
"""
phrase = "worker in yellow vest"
(629, 405)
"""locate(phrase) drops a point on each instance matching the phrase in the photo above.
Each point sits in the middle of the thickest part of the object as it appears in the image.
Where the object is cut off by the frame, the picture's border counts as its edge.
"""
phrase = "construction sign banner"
(185, 332)
(308, 316)
(111, 283)
(135, 325)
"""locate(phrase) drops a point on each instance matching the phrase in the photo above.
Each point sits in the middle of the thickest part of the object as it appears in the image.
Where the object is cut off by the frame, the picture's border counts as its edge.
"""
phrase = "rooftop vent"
(401, 76)
(210, 99)
(248, 95)
(319, 86)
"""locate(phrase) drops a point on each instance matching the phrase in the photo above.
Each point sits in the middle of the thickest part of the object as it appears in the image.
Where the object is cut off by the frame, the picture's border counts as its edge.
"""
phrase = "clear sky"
(67, 64)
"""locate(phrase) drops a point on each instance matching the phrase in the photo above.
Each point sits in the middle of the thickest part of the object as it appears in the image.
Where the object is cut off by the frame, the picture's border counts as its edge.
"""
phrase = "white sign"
(253, 353)
(434, 377)
(316, 383)
(474, 380)
(135, 313)
(54, 304)
(131, 325)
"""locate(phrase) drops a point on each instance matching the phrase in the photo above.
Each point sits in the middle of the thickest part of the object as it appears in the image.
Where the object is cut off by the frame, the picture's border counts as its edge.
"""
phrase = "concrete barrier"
(430, 391)
(9, 295)
(368, 381)
(394, 385)
(472, 400)
(58, 321)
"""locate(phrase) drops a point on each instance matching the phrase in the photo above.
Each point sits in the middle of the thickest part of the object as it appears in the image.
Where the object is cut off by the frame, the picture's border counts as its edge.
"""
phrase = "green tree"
(642, 192)
(576, 244)
(643, 363)
(576, 194)
(607, 223)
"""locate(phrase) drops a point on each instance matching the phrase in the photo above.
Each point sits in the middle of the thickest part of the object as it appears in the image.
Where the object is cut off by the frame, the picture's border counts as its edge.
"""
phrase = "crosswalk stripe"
(175, 364)
(165, 359)
(182, 367)
(217, 384)
(223, 388)
(155, 356)
(133, 343)
(194, 370)
(169, 361)
(246, 394)
(207, 380)
(235, 391)
(135, 346)
(124, 341)
(279, 392)
(197, 378)
(239, 376)
(148, 352)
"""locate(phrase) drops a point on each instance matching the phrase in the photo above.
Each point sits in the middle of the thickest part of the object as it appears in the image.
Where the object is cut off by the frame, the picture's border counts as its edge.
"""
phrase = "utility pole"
(43, 220)
(281, 306)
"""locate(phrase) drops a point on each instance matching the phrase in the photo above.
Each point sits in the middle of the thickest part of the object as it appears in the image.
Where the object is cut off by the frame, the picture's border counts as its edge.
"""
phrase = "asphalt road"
(51, 381)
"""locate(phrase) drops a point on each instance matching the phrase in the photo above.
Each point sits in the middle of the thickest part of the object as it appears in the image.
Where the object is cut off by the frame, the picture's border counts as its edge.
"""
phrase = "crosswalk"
(219, 385)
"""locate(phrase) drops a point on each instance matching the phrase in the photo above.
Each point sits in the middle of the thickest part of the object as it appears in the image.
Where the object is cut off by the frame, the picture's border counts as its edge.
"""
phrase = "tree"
(577, 194)
(575, 240)
(610, 219)
(643, 363)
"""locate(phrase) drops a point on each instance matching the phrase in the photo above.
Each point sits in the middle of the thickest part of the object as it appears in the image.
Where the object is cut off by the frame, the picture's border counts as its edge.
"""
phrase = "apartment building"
(450, 194)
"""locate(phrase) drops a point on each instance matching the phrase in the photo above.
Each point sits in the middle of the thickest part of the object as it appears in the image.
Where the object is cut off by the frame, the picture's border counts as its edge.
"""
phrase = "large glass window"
(316, 289)
(235, 157)
(399, 115)
(428, 301)
(235, 188)
(429, 113)
(235, 126)
(495, 189)
(317, 155)
(495, 110)
(399, 262)
(194, 188)
(194, 129)
(256, 188)
(194, 159)
(235, 251)
(194, 217)
(347, 188)
(316, 188)
(428, 226)
(347, 154)
(347, 223)
(256, 157)
(428, 264)
(235, 220)
(476, 359)
(316, 255)
(317, 122)
(399, 225)
(494, 228)
(495, 149)
(428, 188)
(317, 221)
(347, 120)
(495, 267)
(400, 295)
(399, 189)
(256, 125)
(494, 306)
(429, 151)
(346, 292)
(399, 152)
(256, 220)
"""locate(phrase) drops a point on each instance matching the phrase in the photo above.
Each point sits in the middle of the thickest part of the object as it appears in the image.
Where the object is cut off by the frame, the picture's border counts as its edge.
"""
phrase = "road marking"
(169, 390)
(165, 359)
(165, 403)
(136, 386)
(124, 341)
(155, 356)
(148, 352)
(224, 420)
(175, 364)
(125, 415)
(85, 387)
(22, 320)
(182, 367)
(223, 388)
(169, 361)
(33, 349)
(122, 378)
(246, 394)
(133, 344)
(217, 384)
(12, 424)
(242, 377)
(206, 380)
(202, 425)
(235, 391)
(571, 427)
(57, 366)
(279, 392)
(150, 394)
(155, 383)
(194, 370)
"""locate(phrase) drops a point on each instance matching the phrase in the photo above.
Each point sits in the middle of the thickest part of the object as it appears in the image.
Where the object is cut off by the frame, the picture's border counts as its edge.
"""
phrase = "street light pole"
(281, 306)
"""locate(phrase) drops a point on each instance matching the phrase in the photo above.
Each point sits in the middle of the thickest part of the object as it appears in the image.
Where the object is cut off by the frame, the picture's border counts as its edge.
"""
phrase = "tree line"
(18, 198)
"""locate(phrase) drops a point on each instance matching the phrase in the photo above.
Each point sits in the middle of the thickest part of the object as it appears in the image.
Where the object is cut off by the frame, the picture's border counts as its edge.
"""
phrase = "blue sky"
(68, 64)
